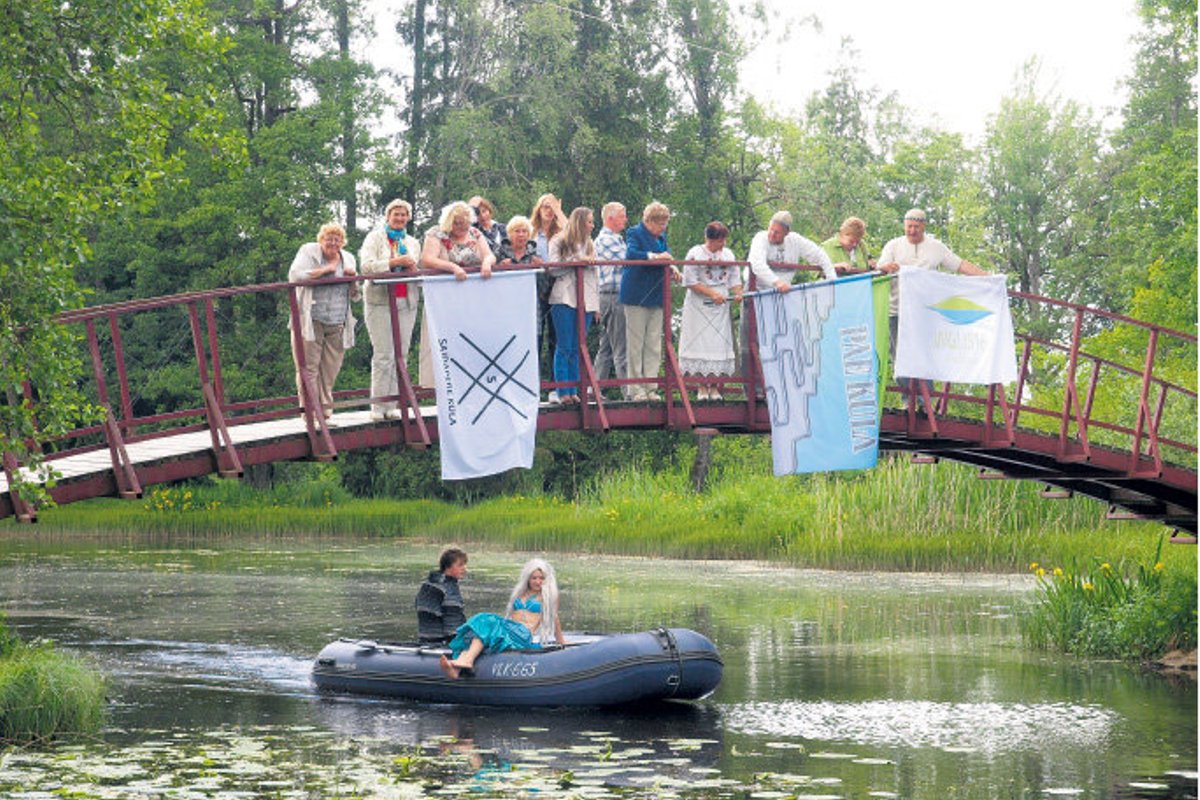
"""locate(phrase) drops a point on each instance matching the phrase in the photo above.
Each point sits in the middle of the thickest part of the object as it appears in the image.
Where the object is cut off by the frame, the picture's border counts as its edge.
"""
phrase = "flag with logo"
(484, 347)
(817, 346)
(954, 328)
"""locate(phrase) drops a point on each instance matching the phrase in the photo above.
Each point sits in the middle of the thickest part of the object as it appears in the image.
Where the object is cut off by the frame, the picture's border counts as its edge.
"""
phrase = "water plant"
(1110, 611)
(45, 694)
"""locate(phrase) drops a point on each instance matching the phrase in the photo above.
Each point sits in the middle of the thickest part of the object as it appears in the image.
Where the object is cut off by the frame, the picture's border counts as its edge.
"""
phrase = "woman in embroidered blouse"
(706, 332)
(389, 250)
(452, 246)
(573, 244)
(530, 620)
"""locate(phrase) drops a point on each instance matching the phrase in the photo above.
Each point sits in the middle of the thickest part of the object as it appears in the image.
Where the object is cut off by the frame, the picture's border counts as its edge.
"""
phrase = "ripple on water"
(983, 727)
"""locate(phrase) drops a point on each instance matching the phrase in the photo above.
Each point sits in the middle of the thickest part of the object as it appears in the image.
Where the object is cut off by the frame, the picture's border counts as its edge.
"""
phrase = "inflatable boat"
(591, 670)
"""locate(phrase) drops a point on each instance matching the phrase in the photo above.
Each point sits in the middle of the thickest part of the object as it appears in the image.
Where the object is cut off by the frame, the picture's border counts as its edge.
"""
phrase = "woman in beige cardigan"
(573, 244)
(326, 322)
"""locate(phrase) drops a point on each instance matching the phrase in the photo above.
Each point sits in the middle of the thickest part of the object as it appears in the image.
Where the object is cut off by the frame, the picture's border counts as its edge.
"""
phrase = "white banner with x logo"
(484, 346)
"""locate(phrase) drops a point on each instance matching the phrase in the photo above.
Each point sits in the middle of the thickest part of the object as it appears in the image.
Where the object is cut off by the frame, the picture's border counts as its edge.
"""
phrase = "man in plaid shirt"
(610, 245)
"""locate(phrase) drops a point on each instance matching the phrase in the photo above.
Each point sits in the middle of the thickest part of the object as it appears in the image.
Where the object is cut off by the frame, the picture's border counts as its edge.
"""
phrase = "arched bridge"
(187, 400)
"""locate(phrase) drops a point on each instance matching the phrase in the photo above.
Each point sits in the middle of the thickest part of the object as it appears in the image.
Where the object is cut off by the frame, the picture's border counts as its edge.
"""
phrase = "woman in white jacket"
(389, 250)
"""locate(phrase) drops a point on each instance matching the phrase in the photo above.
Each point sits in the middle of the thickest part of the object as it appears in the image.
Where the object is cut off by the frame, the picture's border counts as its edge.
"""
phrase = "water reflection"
(623, 745)
(842, 684)
(988, 728)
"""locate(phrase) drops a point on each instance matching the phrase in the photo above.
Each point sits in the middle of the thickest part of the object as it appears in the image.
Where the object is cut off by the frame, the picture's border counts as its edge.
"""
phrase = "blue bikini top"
(533, 605)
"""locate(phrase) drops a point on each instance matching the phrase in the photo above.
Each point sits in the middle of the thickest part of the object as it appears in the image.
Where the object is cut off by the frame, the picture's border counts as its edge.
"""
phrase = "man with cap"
(780, 244)
(915, 249)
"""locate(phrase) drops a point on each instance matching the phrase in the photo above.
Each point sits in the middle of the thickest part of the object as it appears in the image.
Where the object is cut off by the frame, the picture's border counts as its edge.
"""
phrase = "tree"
(1044, 192)
(90, 125)
(1153, 168)
(291, 156)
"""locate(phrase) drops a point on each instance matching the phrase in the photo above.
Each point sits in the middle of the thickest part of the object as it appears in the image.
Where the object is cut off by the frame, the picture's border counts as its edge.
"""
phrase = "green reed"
(898, 516)
(45, 694)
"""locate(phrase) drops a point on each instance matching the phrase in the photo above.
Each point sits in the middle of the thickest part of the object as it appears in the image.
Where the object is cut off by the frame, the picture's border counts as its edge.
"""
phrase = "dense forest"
(155, 146)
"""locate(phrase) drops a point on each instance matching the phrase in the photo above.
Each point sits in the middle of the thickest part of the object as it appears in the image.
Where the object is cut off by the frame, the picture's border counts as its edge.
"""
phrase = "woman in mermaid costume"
(529, 621)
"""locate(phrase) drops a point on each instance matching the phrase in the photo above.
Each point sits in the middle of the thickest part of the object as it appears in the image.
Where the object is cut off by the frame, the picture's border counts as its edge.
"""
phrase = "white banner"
(484, 348)
(954, 328)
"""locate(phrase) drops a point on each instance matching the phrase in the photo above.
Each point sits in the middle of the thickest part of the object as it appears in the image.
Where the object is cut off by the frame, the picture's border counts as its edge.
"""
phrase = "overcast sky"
(949, 60)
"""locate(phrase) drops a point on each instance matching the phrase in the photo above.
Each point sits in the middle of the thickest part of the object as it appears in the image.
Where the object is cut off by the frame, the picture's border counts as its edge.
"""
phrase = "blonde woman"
(326, 321)
(548, 221)
(518, 247)
(389, 250)
(453, 246)
(573, 244)
(530, 621)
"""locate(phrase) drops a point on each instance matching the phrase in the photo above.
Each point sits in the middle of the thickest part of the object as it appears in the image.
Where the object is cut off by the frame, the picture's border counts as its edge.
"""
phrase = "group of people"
(625, 300)
(530, 619)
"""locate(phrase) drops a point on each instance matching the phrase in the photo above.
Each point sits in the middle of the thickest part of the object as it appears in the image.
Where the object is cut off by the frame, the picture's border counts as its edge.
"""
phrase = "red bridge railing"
(1086, 404)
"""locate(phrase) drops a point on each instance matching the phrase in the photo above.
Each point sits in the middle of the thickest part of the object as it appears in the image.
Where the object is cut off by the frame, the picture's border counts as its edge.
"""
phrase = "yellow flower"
(1058, 573)
(1040, 572)
(1106, 567)
(1159, 567)
(1087, 587)
(1033, 567)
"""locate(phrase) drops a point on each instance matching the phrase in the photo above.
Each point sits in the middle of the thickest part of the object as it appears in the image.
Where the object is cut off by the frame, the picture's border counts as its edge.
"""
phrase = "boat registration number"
(514, 669)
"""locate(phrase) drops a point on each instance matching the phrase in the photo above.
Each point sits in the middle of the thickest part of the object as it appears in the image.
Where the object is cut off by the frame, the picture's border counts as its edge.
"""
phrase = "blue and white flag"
(954, 328)
(484, 348)
(817, 345)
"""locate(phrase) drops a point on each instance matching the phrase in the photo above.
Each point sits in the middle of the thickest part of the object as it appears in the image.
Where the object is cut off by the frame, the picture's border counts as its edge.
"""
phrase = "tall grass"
(898, 516)
(1136, 612)
(45, 694)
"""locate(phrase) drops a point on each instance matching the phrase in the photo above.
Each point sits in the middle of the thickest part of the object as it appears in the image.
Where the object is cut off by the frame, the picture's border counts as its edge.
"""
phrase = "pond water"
(846, 685)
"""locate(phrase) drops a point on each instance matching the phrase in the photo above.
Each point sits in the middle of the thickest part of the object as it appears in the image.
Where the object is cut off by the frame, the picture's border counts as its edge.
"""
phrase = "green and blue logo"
(960, 311)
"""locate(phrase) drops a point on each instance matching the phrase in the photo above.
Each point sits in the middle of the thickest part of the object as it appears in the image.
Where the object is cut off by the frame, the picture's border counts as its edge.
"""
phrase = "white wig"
(545, 630)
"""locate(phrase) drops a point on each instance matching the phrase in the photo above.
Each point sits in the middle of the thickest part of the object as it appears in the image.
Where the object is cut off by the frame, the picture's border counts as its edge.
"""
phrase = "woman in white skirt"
(706, 335)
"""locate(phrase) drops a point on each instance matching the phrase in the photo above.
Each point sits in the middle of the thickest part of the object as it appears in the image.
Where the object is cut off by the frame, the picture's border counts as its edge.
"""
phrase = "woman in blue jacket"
(642, 296)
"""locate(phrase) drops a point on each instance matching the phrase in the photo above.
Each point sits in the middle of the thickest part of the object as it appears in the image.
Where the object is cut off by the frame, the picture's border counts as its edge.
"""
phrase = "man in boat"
(439, 603)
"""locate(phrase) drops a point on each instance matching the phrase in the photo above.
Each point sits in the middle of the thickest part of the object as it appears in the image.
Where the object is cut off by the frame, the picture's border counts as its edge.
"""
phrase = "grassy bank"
(899, 516)
(45, 694)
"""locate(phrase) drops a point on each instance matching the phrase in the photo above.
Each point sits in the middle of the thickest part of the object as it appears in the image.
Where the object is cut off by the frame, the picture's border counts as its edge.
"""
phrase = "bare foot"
(448, 667)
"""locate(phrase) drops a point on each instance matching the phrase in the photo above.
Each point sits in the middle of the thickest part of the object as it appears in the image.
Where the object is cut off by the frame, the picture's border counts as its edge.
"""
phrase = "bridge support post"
(21, 510)
(703, 460)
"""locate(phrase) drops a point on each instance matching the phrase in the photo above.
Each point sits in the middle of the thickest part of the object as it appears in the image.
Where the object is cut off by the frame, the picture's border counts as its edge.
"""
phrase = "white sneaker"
(552, 397)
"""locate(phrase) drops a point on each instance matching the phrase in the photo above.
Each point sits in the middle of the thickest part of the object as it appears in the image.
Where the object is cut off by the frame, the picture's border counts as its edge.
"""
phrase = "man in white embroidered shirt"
(780, 244)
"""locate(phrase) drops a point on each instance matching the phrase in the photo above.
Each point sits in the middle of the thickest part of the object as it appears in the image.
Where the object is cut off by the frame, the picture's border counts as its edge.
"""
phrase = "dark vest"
(440, 609)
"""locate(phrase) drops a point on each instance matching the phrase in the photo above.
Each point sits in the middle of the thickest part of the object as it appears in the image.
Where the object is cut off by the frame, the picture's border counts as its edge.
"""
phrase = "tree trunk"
(416, 126)
(346, 101)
